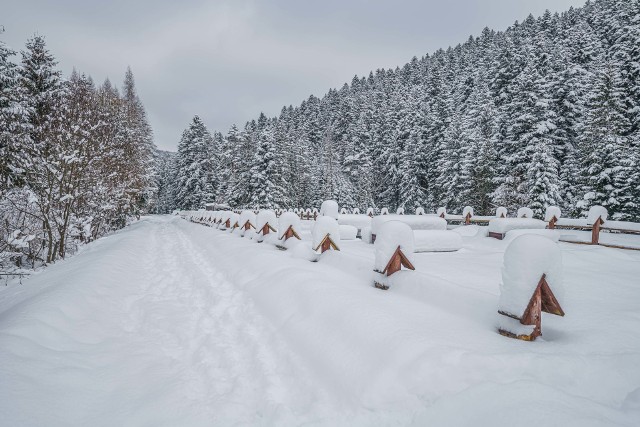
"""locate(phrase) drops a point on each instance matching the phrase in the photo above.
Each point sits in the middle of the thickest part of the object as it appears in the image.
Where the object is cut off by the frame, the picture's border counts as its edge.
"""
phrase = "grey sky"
(229, 60)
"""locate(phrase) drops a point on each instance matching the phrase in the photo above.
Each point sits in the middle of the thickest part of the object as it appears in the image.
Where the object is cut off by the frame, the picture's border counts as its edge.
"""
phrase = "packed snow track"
(172, 323)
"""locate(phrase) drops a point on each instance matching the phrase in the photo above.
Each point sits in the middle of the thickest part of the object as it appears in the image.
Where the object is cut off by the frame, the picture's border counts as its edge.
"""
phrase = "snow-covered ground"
(173, 323)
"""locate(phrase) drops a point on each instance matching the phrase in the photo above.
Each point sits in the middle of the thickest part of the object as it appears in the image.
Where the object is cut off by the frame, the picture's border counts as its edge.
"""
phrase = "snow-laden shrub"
(526, 259)
(524, 212)
(329, 208)
(390, 236)
(325, 225)
(552, 212)
(596, 212)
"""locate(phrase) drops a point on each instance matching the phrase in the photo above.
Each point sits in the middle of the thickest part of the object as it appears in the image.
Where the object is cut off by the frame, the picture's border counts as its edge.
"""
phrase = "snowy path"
(173, 323)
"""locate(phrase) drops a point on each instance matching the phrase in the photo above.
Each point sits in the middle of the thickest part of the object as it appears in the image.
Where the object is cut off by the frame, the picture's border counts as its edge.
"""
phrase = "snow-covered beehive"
(400, 211)
(343, 211)
(325, 234)
(247, 221)
(288, 226)
(524, 212)
(532, 267)
(501, 212)
(384, 211)
(329, 208)
(441, 212)
(420, 211)
(370, 212)
(596, 217)
(394, 246)
(265, 223)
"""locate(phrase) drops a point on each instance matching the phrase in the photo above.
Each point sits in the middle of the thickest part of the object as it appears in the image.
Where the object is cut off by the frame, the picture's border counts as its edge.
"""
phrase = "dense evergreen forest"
(76, 159)
(544, 113)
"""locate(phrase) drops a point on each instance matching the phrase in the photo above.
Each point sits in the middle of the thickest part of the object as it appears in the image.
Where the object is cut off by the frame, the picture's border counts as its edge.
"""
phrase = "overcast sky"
(227, 61)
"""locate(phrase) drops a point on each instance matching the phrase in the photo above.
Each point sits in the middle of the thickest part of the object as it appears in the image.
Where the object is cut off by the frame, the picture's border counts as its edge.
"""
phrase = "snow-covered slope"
(173, 323)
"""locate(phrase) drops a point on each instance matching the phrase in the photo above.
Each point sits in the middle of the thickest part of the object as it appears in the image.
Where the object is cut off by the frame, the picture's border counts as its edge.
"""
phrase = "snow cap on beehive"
(329, 208)
(384, 211)
(420, 211)
(501, 212)
(526, 259)
(247, 216)
(441, 211)
(265, 217)
(467, 210)
(524, 213)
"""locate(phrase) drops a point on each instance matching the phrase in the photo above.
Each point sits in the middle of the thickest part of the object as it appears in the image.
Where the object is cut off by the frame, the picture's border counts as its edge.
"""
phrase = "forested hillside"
(76, 159)
(544, 113)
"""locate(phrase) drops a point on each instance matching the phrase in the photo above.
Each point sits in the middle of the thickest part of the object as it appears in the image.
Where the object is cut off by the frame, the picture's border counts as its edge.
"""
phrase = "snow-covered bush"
(526, 259)
(501, 212)
(390, 236)
(329, 208)
(596, 212)
(552, 212)
(524, 212)
(325, 225)
(420, 211)
(436, 240)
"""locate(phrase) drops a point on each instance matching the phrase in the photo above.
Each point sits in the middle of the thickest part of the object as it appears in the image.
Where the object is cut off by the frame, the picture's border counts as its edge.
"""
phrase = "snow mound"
(325, 225)
(436, 241)
(526, 259)
(329, 208)
(467, 210)
(415, 222)
(348, 232)
(551, 212)
(390, 236)
(501, 212)
(420, 211)
(524, 213)
(504, 225)
(288, 219)
(471, 231)
(358, 221)
(595, 212)
(553, 235)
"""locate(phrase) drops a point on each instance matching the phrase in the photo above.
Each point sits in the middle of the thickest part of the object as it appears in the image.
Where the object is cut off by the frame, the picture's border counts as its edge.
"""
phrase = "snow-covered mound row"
(172, 323)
